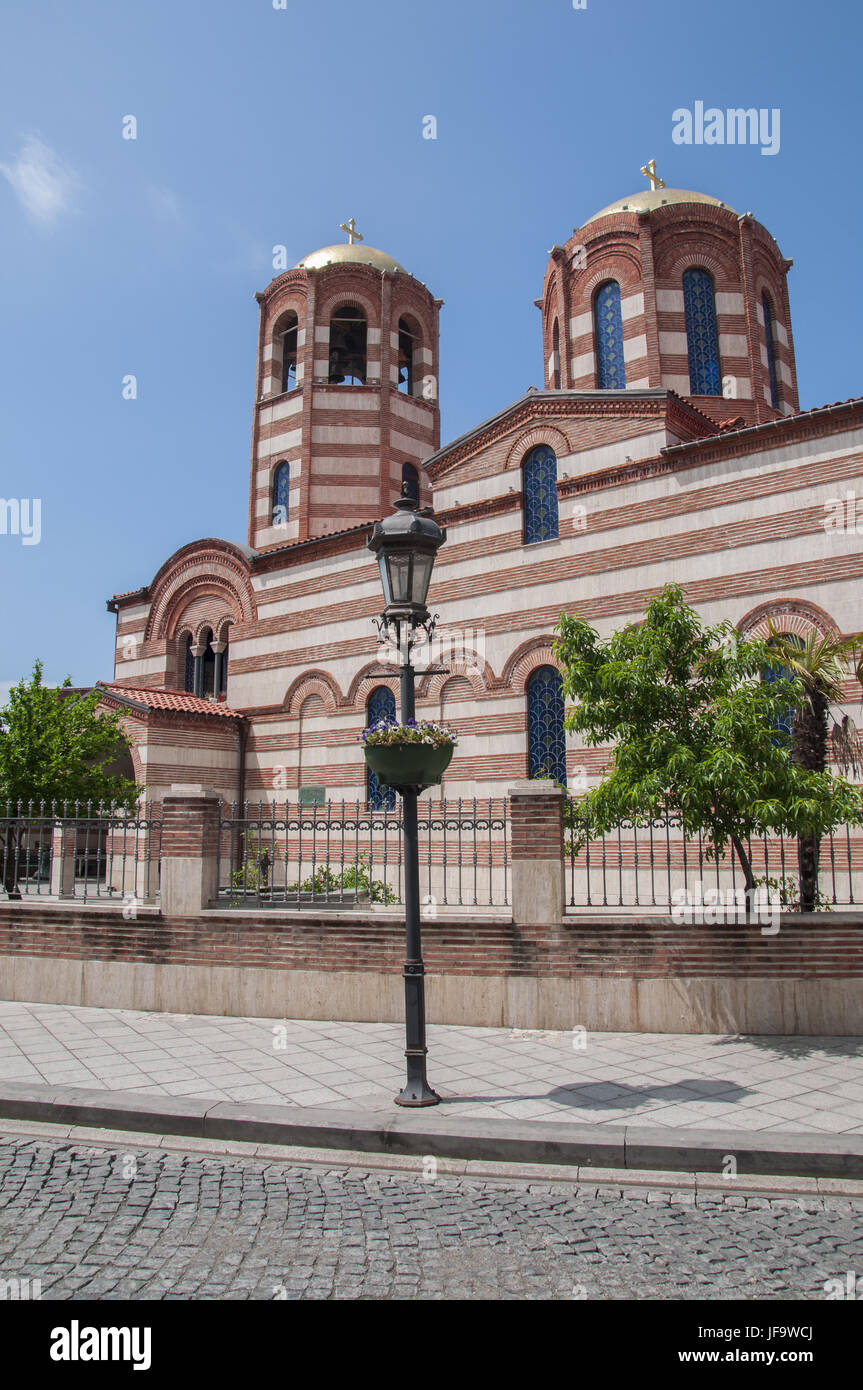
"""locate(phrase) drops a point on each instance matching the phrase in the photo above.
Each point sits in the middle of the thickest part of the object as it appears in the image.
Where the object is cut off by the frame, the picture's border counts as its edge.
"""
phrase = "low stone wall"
(615, 975)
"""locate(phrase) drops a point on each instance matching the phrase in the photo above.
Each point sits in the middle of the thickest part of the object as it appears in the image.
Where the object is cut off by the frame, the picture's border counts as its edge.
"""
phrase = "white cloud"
(43, 183)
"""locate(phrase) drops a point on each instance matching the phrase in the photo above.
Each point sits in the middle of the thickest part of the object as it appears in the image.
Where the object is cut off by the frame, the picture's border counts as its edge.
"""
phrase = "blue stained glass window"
(771, 352)
(545, 736)
(610, 367)
(281, 490)
(784, 723)
(699, 303)
(381, 705)
(540, 495)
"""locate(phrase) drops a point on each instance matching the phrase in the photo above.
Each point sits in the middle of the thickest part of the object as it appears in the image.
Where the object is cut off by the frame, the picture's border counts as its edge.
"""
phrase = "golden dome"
(646, 199)
(356, 254)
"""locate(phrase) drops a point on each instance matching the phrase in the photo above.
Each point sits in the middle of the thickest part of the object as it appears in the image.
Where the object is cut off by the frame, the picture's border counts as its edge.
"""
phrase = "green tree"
(694, 729)
(55, 748)
(818, 666)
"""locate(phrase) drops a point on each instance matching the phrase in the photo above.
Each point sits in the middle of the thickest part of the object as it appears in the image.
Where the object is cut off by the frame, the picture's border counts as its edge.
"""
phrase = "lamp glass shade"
(399, 566)
(421, 578)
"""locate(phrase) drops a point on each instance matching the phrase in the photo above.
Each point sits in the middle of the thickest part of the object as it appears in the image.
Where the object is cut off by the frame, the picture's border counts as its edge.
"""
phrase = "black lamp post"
(405, 545)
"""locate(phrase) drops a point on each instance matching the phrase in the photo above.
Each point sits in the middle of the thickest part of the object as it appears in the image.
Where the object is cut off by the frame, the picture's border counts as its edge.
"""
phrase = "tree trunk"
(748, 875)
(809, 744)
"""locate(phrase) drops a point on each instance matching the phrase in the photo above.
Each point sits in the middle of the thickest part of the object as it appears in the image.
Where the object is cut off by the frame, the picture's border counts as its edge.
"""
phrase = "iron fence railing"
(81, 850)
(346, 854)
(655, 865)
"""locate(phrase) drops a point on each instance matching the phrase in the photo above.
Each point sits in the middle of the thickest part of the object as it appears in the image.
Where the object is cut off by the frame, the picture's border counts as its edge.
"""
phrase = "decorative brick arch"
(540, 434)
(431, 687)
(204, 568)
(461, 685)
(318, 683)
(277, 318)
(367, 680)
(404, 307)
(612, 269)
(199, 604)
(720, 261)
(789, 615)
(293, 299)
(553, 307)
(525, 660)
(348, 296)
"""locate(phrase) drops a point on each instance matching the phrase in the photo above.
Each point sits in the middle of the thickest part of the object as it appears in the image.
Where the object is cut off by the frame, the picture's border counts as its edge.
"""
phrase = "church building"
(666, 443)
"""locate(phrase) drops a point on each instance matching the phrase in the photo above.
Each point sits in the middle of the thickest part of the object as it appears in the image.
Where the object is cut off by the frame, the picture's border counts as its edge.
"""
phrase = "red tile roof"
(178, 701)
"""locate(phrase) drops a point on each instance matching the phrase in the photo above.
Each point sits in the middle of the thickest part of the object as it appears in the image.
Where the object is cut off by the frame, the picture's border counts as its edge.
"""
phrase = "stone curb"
(421, 1133)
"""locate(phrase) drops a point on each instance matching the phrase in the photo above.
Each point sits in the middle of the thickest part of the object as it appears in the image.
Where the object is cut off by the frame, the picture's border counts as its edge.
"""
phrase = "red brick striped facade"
(649, 488)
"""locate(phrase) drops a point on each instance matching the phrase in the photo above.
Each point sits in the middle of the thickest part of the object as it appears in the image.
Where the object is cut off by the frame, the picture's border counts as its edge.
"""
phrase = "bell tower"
(346, 406)
(668, 287)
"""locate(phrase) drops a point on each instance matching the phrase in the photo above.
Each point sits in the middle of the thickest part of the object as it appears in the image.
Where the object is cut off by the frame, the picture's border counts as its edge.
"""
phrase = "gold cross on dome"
(649, 172)
(350, 229)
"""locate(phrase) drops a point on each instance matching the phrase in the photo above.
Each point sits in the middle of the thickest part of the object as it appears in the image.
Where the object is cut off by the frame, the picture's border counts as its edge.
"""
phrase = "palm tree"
(819, 666)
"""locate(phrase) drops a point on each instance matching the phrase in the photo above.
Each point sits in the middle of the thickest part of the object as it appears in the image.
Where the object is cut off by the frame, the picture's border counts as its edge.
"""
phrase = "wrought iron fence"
(346, 854)
(655, 865)
(81, 850)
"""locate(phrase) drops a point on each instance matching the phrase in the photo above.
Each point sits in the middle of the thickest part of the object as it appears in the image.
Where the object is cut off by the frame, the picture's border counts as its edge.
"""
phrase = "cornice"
(563, 406)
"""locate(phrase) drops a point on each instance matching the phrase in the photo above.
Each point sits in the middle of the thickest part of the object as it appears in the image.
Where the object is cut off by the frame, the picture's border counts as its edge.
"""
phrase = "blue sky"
(260, 126)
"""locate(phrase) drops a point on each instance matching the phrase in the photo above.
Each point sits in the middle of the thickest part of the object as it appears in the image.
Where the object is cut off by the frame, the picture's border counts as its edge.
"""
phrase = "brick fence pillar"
(190, 843)
(536, 845)
(64, 844)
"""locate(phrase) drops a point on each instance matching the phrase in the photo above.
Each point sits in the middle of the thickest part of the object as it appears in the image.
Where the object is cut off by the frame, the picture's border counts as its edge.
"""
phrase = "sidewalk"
(785, 1085)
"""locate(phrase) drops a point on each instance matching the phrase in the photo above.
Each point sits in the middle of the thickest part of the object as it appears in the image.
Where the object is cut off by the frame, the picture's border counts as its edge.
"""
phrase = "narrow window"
(208, 667)
(381, 705)
(289, 353)
(699, 303)
(348, 337)
(784, 723)
(281, 494)
(539, 472)
(555, 356)
(410, 482)
(189, 673)
(610, 367)
(770, 341)
(546, 741)
(406, 358)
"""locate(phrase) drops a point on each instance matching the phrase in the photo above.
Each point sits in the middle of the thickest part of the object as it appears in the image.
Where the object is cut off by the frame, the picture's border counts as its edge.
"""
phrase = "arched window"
(289, 336)
(407, 348)
(381, 705)
(699, 303)
(785, 722)
(208, 666)
(223, 668)
(610, 366)
(546, 742)
(348, 338)
(412, 478)
(189, 668)
(769, 339)
(555, 356)
(539, 472)
(281, 494)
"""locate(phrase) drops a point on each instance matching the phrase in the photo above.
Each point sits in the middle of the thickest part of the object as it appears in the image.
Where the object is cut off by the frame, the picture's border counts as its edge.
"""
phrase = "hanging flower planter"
(408, 755)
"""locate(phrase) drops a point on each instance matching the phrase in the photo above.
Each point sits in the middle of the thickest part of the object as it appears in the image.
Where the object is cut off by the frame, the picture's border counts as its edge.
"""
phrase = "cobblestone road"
(98, 1223)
